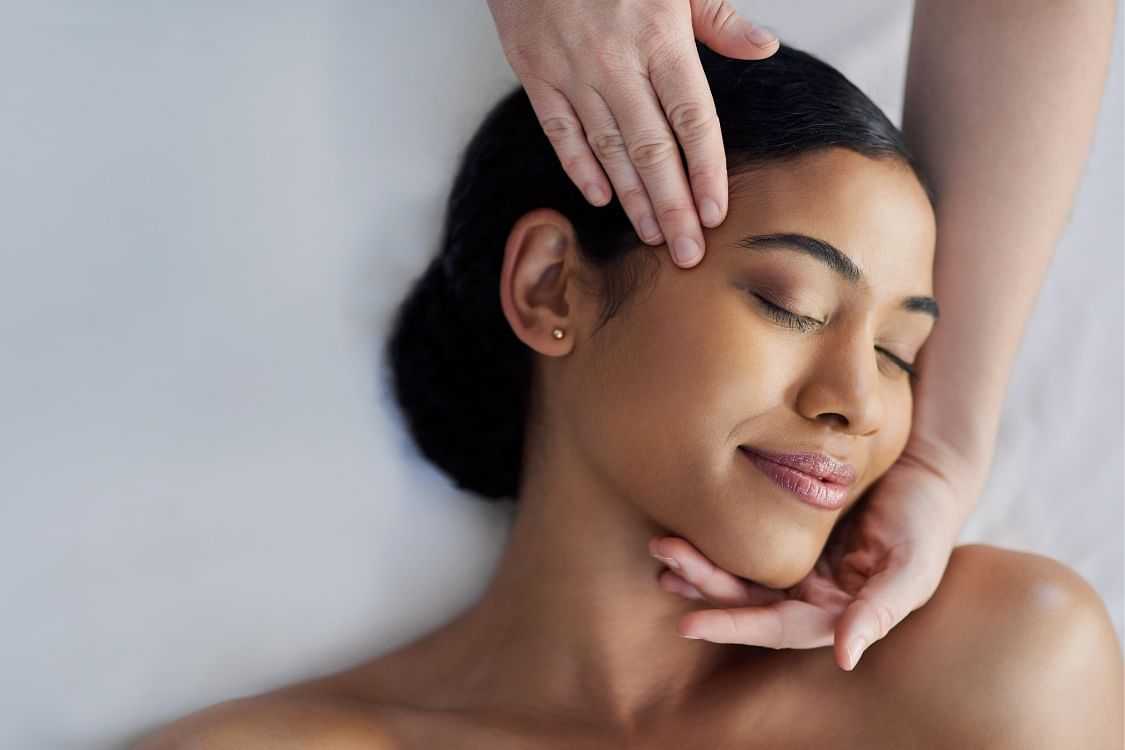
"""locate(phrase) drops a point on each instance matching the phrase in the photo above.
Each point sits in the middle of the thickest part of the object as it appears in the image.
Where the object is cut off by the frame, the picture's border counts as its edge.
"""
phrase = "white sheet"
(209, 213)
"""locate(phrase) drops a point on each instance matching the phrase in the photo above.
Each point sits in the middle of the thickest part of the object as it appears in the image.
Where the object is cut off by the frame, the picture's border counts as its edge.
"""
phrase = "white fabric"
(210, 211)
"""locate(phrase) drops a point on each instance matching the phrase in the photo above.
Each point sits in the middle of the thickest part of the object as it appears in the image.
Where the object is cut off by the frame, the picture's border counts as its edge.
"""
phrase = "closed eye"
(804, 324)
(785, 317)
(907, 366)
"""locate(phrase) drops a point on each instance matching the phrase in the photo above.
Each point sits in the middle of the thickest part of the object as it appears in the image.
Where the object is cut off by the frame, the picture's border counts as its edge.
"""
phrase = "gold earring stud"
(558, 333)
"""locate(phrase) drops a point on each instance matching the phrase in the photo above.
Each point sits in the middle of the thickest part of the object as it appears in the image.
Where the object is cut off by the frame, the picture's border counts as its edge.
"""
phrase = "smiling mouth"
(816, 464)
(819, 493)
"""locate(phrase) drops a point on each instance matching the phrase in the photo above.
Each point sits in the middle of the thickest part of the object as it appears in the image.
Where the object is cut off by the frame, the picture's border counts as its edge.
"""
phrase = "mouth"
(814, 478)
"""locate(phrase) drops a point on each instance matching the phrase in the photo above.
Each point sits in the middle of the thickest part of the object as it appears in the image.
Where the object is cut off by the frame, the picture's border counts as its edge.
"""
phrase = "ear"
(540, 260)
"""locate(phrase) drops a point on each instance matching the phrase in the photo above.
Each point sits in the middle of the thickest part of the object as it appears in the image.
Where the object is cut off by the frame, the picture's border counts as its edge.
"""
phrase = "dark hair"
(460, 374)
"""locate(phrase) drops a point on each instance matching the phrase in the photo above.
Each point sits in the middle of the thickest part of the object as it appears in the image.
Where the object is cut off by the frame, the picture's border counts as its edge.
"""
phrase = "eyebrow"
(840, 263)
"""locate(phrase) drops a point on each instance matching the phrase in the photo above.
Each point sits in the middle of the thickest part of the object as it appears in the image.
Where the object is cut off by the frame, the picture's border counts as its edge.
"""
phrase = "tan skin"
(635, 434)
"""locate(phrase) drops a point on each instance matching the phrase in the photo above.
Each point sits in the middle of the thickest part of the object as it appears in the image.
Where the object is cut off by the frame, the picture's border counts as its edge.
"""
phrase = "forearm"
(1000, 105)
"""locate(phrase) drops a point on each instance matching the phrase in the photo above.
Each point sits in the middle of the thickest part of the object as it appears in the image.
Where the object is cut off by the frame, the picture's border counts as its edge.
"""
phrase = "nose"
(842, 388)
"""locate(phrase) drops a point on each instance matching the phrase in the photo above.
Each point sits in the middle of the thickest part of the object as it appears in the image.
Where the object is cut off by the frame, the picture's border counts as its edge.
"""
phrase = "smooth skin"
(1012, 650)
(572, 645)
(1001, 102)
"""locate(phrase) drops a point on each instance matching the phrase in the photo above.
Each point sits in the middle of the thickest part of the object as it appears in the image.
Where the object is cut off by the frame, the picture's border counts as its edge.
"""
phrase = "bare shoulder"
(278, 721)
(368, 706)
(1014, 650)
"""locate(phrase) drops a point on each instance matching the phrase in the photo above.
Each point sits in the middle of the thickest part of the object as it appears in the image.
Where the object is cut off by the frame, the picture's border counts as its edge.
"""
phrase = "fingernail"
(709, 212)
(856, 650)
(761, 36)
(693, 637)
(670, 562)
(686, 250)
(649, 229)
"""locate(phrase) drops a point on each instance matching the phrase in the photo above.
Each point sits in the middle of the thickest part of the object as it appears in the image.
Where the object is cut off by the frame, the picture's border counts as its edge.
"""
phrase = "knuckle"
(634, 195)
(560, 128)
(721, 13)
(666, 51)
(674, 215)
(690, 121)
(652, 33)
(647, 153)
(608, 144)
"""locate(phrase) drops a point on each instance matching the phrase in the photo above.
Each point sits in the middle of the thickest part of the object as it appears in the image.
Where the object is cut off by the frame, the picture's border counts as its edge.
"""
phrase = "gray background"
(209, 212)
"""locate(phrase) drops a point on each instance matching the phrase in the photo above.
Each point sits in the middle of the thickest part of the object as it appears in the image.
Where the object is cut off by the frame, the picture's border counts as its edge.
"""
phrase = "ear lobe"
(532, 285)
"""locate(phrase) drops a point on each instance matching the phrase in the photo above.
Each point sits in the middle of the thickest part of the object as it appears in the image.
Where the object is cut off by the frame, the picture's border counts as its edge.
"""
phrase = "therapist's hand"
(882, 561)
(621, 84)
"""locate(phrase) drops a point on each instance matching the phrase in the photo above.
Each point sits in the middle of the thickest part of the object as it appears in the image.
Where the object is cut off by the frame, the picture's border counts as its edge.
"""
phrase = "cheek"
(888, 445)
(896, 427)
(663, 405)
(643, 399)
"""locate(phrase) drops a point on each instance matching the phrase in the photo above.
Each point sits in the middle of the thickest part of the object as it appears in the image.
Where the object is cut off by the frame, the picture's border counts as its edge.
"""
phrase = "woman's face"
(700, 363)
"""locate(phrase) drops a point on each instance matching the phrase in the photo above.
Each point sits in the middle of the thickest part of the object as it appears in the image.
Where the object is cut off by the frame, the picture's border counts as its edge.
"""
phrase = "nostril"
(836, 416)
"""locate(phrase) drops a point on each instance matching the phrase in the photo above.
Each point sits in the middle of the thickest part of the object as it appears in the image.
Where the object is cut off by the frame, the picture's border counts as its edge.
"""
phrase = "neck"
(574, 619)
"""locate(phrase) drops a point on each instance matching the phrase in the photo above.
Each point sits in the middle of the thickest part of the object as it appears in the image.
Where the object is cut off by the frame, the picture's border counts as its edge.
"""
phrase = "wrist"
(965, 473)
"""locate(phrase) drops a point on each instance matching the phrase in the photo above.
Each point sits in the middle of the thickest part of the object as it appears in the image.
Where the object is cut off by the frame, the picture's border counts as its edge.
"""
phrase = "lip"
(814, 478)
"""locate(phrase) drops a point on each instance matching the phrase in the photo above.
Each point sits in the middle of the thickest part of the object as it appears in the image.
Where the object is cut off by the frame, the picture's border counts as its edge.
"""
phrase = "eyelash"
(802, 324)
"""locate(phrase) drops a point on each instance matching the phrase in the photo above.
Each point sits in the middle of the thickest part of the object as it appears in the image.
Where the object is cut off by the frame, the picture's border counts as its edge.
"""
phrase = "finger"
(565, 132)
(685, 94)
(652, 147)
(717, 585)
(608, 145)
(787, 624)
(673, 583)
(883, 602)
(721, 29)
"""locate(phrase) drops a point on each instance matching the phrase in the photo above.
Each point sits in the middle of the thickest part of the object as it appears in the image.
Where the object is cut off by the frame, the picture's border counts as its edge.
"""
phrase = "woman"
(744, 405)
(991, 108)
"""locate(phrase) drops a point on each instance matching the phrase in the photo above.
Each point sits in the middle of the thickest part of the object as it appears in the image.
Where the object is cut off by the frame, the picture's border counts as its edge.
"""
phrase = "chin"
(775, 561)
(784, 578)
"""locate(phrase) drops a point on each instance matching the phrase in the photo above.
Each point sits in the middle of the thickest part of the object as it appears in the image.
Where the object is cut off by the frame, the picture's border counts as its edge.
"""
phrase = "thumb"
(883, 602)
(721, 29)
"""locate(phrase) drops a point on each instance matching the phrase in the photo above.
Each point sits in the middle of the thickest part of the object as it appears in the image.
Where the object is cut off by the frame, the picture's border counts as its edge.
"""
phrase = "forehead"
(874, 211)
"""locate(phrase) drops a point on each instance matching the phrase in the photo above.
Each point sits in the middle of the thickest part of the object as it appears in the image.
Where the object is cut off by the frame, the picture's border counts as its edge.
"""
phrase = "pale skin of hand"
(616, 86)
(1001, 101)
(875, 559)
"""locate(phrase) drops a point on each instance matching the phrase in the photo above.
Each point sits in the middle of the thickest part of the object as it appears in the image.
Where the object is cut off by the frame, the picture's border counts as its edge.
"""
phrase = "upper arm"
(248, 723)
(1063, 686)
(1014, 651)
(193, 730)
